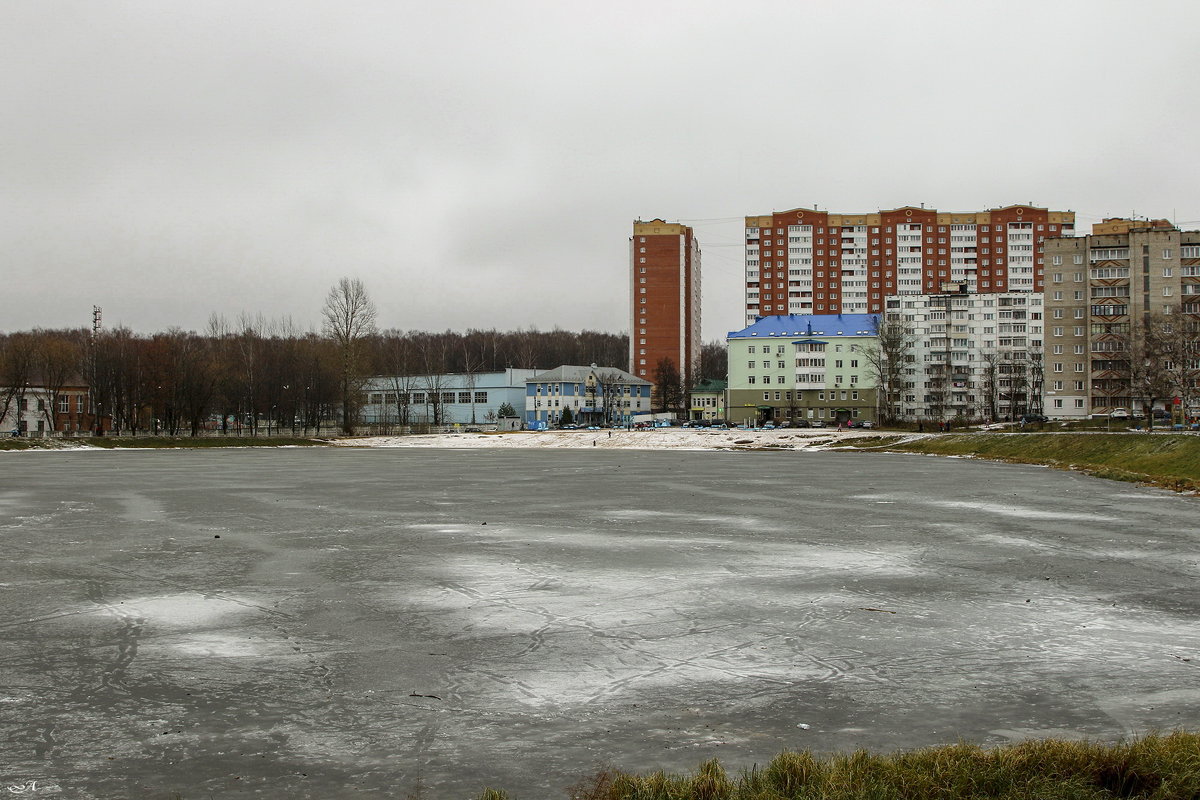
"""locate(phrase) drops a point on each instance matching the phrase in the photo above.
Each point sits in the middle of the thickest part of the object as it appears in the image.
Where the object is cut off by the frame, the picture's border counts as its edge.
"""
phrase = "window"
(481, 397)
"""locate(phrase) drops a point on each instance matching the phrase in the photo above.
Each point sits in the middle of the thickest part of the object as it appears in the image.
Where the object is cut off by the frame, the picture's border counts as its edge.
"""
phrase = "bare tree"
(16, 370)
(472, 366)
(1037, 382)
(612, 396)
(668, 386)
(886, 359)
(59, 360)
(989, 389)
(714, 361)
(349, 317)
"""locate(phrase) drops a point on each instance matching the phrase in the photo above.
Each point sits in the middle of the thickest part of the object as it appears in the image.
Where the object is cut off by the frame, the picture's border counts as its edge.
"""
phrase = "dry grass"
(1168, 460)
(1151, 768)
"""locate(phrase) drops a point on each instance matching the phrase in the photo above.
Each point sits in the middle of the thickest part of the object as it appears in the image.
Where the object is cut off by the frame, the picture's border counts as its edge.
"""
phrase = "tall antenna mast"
(96, 314)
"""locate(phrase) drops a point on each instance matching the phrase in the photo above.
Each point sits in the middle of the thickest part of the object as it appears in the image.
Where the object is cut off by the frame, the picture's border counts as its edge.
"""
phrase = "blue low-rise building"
(473, 398)
(595, 396)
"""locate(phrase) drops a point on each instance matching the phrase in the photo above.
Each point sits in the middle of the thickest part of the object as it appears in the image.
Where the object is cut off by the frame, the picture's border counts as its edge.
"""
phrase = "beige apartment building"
(1099, 289)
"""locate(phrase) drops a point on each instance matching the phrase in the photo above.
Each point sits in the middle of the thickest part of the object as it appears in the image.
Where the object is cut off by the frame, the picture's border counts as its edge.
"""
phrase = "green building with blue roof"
(812, 367)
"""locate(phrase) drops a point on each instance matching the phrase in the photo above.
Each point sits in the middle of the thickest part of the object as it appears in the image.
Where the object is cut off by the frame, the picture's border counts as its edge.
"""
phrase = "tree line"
(255, 372)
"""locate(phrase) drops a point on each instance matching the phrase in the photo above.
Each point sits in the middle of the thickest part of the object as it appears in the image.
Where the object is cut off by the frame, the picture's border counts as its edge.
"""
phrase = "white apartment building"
(972, 356)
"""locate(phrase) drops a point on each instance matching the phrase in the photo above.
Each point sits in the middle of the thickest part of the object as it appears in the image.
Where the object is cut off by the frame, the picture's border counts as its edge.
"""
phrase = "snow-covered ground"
(654, 439)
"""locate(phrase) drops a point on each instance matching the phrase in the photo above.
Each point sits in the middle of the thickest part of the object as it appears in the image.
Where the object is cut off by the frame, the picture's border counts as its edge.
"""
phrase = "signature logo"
(34, 788)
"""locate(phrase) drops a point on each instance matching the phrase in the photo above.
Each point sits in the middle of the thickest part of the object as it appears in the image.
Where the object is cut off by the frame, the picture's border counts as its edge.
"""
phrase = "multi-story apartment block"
(664, 276)
(969, 356)
(805, 261)
(811, 367)
(1101, 291)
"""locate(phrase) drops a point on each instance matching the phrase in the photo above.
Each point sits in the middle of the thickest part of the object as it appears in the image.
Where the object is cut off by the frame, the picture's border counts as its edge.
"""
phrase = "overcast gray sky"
(479, 164)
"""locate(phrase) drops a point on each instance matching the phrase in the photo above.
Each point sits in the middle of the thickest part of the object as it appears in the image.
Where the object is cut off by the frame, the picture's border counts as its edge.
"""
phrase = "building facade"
(706, 400)
(664, 273)
(805, 261)
(41, 411)
(794, 366)
(969, 356)
(1104, 293)
(448, 399)
(595, 395)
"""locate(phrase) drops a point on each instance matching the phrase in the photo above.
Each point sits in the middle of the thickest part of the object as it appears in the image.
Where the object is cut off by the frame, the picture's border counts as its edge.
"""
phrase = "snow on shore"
(653, 439)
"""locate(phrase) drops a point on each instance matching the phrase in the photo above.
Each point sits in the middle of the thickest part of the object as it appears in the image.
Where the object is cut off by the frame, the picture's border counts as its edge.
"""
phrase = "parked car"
(1030, 419)
(1119, 413)
(866, 423)
(801, 423)
(816, 423)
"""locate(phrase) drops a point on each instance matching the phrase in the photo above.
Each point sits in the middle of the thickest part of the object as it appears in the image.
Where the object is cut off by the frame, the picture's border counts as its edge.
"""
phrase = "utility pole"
(96, 321)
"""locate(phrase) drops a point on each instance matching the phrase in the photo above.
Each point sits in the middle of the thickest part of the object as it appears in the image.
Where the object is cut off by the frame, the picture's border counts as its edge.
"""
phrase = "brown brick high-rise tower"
(664, 279)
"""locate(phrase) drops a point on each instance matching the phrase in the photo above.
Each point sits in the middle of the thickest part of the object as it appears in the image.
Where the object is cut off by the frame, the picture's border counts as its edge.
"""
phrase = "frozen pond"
(325, 623)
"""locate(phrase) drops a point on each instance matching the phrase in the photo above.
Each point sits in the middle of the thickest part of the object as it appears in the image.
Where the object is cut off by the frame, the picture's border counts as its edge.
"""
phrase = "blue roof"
(810, 325)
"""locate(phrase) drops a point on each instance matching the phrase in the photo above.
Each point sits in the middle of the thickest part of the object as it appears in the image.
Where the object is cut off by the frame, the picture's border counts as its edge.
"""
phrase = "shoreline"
(621, 439)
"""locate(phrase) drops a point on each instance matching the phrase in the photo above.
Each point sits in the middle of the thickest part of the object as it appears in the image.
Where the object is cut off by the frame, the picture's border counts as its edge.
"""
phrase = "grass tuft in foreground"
(1168, 460)
(1151, 768)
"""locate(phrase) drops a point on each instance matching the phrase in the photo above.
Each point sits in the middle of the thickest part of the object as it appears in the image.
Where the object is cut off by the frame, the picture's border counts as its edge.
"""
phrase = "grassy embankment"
(158, 442)
(1152, 768)
(1168, 460)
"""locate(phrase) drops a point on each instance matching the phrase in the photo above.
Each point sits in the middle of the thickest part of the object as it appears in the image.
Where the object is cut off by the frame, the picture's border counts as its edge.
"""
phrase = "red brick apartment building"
(664, 279)
(805, 261)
